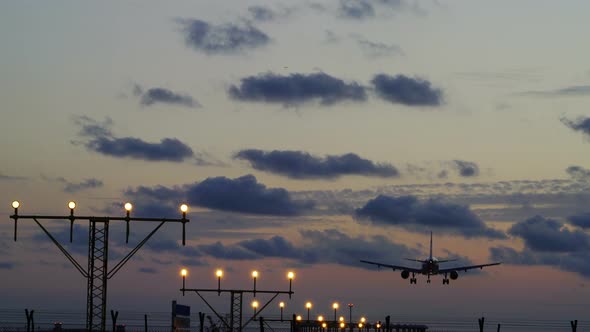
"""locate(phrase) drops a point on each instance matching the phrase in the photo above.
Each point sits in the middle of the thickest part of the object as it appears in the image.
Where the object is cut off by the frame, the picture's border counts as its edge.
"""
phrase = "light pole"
(290, 276)
(335, 306)
(254, 275)
(308, 306)
(282, 305)
(255, 306)
(350, 305)
(219, 274)
(183, 273)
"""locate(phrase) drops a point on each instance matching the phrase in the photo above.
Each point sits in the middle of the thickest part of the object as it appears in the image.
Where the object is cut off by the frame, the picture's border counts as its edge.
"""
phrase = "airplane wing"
(465, 268)
(445, 260)
(394, 267)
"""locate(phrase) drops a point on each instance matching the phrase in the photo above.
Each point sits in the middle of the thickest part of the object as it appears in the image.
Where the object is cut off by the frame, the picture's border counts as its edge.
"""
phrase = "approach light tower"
(97, 272)
(235, 323)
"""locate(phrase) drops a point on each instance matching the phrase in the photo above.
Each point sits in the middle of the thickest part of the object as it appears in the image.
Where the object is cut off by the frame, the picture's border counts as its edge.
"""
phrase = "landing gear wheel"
(445, 281)
(428, 281)
(412, 281)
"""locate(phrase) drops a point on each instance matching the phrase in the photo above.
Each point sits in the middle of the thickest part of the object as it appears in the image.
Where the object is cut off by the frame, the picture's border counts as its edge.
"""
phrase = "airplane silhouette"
(430, 267)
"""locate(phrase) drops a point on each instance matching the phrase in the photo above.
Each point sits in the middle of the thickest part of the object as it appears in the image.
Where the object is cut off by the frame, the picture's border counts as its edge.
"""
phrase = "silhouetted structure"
(97, 273)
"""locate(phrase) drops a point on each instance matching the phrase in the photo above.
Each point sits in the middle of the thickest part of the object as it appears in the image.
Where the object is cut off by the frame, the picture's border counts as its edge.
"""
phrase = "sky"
(304, 136)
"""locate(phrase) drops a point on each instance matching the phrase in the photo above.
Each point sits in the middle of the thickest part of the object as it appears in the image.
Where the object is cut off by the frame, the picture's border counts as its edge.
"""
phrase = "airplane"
(430, 267)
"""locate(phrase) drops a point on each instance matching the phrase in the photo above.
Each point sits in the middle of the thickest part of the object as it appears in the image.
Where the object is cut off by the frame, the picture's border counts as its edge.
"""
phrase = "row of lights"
(320, 319)
(219, 274)
(128, 207)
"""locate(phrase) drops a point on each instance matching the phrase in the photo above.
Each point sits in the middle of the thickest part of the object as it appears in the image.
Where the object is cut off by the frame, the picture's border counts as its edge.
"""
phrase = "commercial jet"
(430, 267)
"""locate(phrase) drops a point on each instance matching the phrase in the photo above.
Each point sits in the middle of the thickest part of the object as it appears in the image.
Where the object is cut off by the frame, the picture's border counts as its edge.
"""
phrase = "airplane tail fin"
(430, 257)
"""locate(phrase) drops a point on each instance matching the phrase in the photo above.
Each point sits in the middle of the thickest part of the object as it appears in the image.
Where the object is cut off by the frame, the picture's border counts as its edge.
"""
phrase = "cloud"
(7, 265)
(580, 220)
(405, 90)
(366, 9)
(578, 173)
(581, 124)
(466, 168)
(100, 139)
(261, 13)
(377, 49)
(414, 215)
(296, 89)
(573, 262)
(541, 234)
(329, 246)
(356, 9)
(302, 165)
(218, 250)
(74, 187)
(163, 96)
(4, 177)
(246, 195)
(193, 262)
(570, 91)
(149, 270)
(222, 39)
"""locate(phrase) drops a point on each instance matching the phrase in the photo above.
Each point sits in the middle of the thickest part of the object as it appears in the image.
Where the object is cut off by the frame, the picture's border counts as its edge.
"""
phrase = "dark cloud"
(377, 49)
(580, 220)
(405, 90)
(99, 138)
(357, 9)
(267, 14)
(333, 246)
(466, 168)
(222, 39)
(329, 246)
(541, 234)
(277, 246)
(4, 177)
(573, 262)
(246, 195)
(295, 89)
(575, 90)
(73, 187)
(414, 215)
(302, 165)
(218, 250)
(581, 124)
(578, 173)
(261, 13)
(367, 9)
(7, 265)
(149, 270)
(193, 262)
(163, 96)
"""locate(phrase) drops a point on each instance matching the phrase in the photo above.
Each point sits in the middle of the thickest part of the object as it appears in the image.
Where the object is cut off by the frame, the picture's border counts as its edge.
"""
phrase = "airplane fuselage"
(429, 267)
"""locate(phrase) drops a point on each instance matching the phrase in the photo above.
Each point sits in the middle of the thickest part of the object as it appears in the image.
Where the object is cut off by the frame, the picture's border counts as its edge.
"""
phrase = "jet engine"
(406, 274)
(454, 275)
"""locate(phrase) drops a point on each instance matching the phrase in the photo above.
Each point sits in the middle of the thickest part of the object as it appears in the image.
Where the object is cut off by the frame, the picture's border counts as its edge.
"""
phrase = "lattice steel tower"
(97, 273)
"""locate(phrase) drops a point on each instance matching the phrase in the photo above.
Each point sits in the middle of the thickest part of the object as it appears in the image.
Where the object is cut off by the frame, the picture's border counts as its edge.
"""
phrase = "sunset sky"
(305, 136)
